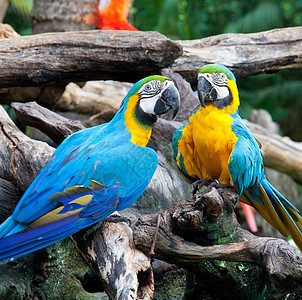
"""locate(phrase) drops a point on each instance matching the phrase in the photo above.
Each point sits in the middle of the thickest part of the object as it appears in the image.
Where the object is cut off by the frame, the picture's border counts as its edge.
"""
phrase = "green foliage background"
(279, 93)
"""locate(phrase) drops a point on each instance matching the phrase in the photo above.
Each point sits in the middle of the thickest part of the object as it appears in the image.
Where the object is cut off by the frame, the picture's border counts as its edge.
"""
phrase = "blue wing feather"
(245, 163)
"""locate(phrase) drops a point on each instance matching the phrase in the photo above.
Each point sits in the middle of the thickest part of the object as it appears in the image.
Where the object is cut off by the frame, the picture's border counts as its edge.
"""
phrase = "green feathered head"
(216, 68)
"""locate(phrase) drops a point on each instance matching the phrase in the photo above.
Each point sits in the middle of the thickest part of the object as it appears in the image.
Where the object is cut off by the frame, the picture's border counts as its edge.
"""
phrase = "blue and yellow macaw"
(93, 173)
(215, 144)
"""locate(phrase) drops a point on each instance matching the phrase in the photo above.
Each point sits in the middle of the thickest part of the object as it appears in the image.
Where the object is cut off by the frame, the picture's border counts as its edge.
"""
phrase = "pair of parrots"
(103, 169)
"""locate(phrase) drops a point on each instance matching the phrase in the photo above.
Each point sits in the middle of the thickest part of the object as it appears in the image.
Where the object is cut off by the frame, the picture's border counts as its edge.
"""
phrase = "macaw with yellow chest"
(216, 145)
(93, 173)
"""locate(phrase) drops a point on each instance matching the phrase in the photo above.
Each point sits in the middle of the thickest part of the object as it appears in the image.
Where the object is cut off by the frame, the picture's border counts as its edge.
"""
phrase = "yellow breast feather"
(214, 141)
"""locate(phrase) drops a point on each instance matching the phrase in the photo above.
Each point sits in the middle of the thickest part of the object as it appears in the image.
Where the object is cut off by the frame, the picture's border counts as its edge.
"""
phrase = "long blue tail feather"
(276, 209)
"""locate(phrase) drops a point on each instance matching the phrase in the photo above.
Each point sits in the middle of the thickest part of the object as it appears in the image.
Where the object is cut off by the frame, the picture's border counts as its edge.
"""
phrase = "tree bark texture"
(110, 252)
(32, 114)
(95, 97)
(193, 233)
(129, 56)
(244, 54)
(86, 55)
(60, 15)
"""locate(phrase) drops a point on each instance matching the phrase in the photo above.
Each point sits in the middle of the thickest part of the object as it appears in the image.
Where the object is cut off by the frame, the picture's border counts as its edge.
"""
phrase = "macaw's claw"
(209, 183)
(200, 183)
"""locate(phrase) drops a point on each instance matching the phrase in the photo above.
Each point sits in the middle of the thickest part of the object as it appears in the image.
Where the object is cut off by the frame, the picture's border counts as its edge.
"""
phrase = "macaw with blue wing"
(93, 173)
(216, 145)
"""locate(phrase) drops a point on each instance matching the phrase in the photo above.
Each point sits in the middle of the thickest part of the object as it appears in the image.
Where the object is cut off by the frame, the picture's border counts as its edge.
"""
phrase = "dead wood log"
(244, 54)
(50, 123)
(109, 250)
(61, 15)
(120, 55)
(95, 97)
(21, 158)
(194, 232)
(83, 55)
(46, 95)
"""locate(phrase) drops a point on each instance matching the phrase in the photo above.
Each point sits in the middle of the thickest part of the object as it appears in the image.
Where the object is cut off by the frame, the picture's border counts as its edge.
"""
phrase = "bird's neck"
(140, 131)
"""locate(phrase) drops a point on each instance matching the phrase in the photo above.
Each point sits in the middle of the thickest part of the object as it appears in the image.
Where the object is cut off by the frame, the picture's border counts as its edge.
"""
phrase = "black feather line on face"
(222, 103)
(144, 118)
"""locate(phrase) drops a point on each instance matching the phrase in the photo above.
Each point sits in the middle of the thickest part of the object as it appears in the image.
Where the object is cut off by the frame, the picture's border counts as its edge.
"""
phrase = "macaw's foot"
(117, 218)
(202, 182)
(152, 253)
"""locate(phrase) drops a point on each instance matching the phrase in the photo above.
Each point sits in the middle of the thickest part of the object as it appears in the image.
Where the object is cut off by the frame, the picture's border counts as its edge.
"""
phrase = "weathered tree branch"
(6, 31)
(208, 221)
(95, 97)
(110, 252)
(244, 54)
(50, 123)
(83, 55)
(21, 158)
(129, 56)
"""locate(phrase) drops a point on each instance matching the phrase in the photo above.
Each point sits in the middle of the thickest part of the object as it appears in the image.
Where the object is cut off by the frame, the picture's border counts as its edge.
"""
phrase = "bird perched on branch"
(216, 145)
(93, 173)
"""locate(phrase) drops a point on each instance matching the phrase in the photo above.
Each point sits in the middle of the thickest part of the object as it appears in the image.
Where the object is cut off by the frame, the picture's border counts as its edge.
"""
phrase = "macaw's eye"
(148, 87)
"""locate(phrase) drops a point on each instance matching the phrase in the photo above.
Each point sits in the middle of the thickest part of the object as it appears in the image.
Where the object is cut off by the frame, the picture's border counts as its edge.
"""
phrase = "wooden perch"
(121, 55)
(190, 232)
(7, 31)
(50, 123)
(95, 97)
(109, 250)
(83, 55)
(21, 158)
(244, 54)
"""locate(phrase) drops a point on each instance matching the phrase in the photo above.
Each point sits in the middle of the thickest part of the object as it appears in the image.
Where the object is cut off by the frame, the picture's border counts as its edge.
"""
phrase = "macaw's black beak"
(206, 91)
(169, 99)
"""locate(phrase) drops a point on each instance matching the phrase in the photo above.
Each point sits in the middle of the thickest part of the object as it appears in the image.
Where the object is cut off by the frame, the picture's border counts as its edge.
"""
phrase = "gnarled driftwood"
(182, 225)
(120, 55)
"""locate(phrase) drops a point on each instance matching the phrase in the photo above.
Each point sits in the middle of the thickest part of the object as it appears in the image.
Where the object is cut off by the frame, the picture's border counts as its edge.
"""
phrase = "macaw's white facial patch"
(222, 92)
(150, 92)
